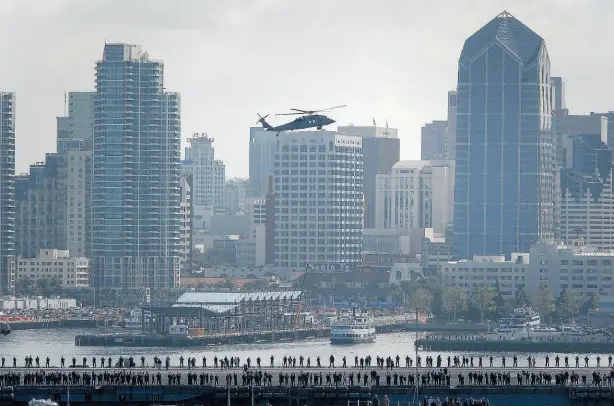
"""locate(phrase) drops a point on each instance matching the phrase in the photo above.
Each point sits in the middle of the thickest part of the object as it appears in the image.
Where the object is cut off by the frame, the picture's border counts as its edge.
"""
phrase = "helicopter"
(308, 119)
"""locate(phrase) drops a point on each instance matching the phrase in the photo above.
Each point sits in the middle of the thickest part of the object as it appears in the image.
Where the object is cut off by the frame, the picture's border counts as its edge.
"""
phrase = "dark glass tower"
(504, 191)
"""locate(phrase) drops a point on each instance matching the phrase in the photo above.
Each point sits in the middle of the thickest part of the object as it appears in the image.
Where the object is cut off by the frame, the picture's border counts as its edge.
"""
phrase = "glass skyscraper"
(505, 161)
(135, 173)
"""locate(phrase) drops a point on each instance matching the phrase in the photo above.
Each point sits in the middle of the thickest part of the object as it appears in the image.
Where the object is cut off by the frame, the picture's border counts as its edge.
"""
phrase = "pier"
(131, 388)
(525, 345)
(248, 337)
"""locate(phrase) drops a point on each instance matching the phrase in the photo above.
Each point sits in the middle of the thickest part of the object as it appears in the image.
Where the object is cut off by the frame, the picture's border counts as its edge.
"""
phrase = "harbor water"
(56, 343)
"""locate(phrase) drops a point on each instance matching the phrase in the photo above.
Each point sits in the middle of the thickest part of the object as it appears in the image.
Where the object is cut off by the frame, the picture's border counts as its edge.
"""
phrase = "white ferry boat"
(42, 402)
(520, 319)
(133, 321)
(359, 328)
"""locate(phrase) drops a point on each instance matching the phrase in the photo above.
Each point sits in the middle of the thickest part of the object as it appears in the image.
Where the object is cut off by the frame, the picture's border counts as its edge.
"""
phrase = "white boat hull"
(349, 341)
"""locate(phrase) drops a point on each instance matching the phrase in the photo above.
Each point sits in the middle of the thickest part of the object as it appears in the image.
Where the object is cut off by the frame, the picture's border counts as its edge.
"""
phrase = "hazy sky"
(385, 59)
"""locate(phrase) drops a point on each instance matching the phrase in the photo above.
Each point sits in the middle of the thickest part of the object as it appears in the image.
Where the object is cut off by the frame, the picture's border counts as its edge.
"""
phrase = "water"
(56, 343)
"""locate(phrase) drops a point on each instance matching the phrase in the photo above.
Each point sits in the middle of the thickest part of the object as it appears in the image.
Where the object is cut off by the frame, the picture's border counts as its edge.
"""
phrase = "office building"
(506, 276)
(433, 141)
(558, 94)
(416, 194)
(208, 174)
(40, 211)
(135, 173)
(505, 158)
(81, 117)
(586, 200)
(71, 271)
(262, 149)
(256, 211)
(7, 192)
(575, 267)
(77, 191)
(318, 199)
(451, 130)
(381, 149)
(235, 193)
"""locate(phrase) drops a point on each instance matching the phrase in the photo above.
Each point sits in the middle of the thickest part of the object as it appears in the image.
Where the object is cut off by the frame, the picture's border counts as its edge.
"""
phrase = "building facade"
(381, 148)
(235, 193)
(72, 272)
(575, 267)
(262, 149)
(7, 192)
(318, 199)
(451, 130)
(508, 277)
(208, 174)
(505, 158)
(416, 194)
(587, 199)
(185, 250)
(433, 141)
(135, 173)
(41, 201)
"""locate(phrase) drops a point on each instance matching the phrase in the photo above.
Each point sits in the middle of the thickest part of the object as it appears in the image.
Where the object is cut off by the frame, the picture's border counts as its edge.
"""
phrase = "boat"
(520, 319)
(357, 328)
(42, 402)
(133, 321)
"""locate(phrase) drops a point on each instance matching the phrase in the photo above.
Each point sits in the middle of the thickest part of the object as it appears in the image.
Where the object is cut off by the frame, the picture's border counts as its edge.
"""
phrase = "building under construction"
(225, 313)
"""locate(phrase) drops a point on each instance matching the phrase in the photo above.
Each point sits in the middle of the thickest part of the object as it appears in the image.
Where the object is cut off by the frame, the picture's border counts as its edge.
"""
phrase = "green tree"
(521, 297)
(420, 299)
(25, 286)
(483, 299)
(543, 300)
(396, 293)
(595, 301)
(569, 304)
(454, 301)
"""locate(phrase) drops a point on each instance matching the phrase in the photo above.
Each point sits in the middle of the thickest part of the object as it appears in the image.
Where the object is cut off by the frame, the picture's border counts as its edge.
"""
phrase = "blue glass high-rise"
(135, 173)
(504, 190)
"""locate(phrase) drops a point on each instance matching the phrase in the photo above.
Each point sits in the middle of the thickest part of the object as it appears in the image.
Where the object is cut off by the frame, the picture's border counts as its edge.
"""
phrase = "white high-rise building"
(208, 174)
(318, 199)
(416, 194)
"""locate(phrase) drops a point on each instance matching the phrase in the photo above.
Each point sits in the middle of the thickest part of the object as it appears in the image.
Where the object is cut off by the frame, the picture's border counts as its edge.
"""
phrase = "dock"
(494, 345)
(249, 337)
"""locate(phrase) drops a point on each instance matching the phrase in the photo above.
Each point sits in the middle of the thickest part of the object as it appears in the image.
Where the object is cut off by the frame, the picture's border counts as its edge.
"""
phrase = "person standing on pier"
(204, 362)
(46, 363)
(331, 361)
(272, 361)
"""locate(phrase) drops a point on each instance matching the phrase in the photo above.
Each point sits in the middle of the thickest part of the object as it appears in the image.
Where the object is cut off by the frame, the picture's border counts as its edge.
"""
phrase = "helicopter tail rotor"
(262, 120)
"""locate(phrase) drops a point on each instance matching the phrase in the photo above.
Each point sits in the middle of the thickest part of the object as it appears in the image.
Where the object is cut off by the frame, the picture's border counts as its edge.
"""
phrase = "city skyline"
(223, 97)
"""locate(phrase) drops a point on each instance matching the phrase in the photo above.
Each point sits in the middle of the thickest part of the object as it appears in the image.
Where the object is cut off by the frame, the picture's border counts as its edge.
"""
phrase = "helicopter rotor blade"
(289, 114)
(302, 111)
(330, 108)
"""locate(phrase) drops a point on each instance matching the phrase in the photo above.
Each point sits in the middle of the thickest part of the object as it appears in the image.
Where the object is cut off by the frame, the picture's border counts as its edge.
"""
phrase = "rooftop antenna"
(374, 125)
(386, 133)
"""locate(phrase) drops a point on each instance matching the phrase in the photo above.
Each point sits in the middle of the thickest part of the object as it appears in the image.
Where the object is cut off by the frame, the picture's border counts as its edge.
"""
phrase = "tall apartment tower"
(381, 148)
(208, 174)
(7, 192)
(505, 158)
(135, 173)
(433, 141)
(318, 199)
